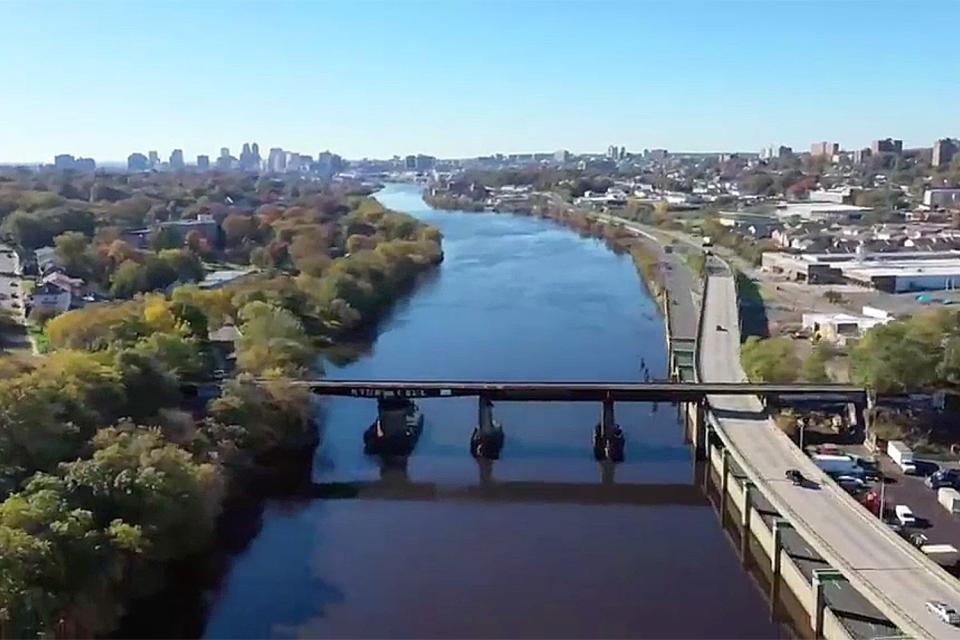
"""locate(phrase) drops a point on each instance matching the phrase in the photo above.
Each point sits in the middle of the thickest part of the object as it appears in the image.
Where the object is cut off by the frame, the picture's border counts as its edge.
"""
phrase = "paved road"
(894, 576)
(677, 279)
(11, 300)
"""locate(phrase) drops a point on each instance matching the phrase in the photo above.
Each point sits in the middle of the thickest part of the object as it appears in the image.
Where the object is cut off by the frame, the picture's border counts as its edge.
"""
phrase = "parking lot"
(933, 520)
(11, 299)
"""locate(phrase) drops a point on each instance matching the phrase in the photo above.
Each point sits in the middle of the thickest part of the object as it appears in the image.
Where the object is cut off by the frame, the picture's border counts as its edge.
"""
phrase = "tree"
(770, 360)
(164, 237)
(73, 252)
(272, 340)
(127, 280)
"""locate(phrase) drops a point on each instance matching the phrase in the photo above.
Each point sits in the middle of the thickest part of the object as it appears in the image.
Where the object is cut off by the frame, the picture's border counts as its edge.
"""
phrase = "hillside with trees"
(109, 474)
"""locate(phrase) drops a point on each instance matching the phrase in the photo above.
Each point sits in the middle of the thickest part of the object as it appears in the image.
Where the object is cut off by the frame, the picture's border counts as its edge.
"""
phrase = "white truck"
(902, 455)
(949, 498)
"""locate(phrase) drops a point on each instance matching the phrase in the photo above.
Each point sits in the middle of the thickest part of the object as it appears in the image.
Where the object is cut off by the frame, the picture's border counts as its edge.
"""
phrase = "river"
(515, 298)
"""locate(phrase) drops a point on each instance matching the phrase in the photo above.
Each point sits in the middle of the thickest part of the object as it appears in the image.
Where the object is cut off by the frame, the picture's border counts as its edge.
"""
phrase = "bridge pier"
(608, 440)
(745, 518)
(819, 578)
(396, 430)
(487, 439)
(697, 419)
(724, 482)
(779, 526)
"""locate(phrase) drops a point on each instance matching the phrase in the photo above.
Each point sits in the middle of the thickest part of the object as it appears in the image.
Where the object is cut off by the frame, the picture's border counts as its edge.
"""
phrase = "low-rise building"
(941, 198)
(839, 328)
(894, 272)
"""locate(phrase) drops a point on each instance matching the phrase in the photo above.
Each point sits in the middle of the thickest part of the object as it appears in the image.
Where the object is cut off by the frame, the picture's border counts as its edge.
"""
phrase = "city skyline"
(460, 80)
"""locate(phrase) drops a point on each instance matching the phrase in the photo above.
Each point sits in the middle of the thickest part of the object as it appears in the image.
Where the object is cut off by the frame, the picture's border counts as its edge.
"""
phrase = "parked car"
(943, 478)
(905, 515)
(852, 484)
(943, 611)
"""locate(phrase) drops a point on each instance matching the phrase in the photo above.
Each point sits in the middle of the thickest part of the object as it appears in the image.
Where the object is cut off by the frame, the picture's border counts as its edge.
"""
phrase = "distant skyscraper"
(860, 155)
(410, 163)
(154, 159)
(562, 156)
(613, 151)
(176, 159)
(225, 161)
(203, 162)
(85, 164)
(824, 149)
(424, 163)
(64, 161)
(943, 152)
(137, 162)
(887, 145)
(277, 160)
(329, 164)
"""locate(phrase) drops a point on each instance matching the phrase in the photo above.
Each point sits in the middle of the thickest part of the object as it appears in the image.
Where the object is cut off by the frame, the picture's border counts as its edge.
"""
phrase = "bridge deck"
(571, 391)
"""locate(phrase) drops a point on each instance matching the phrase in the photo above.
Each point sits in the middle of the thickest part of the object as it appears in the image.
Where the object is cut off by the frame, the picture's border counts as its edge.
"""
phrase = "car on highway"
(794, 476)
(943, 611)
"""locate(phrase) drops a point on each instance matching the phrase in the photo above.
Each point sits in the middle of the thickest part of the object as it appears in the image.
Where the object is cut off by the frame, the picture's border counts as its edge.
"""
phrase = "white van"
(905, 516)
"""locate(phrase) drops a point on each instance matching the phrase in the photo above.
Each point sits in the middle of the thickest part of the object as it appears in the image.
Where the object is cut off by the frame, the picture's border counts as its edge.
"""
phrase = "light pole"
(883, 491)
(802, 425)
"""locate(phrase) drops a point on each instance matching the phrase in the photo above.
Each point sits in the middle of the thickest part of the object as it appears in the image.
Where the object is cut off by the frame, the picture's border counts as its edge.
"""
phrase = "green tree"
(770, 360)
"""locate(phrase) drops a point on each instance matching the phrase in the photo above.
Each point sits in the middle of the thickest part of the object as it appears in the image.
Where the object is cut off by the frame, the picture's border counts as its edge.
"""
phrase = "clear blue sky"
(450, 78)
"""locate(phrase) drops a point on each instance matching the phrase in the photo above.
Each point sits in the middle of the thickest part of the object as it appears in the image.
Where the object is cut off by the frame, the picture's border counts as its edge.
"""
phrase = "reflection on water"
(545, 542)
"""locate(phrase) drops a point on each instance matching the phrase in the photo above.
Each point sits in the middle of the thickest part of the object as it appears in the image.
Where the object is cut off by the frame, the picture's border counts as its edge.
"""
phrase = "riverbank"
(516, 298)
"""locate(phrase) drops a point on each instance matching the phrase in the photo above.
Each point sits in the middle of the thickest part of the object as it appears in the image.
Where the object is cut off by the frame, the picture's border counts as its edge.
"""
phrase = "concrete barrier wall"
(790, 575)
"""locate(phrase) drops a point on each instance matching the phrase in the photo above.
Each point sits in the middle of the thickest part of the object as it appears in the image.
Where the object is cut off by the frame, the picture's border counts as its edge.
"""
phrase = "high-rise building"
(203, 162)
(943, 152)
(137, 162)
(824, 149)
(64, 161)
(85, 164)
(861, 155)
(887, 145)
(410, 163)
(613, 151)
(176, 159)
(225, 161)
(562, 156)
(424, 163)
(277, 160)
(250, 157)
(657, 155)
(154, 159)
(329, 164)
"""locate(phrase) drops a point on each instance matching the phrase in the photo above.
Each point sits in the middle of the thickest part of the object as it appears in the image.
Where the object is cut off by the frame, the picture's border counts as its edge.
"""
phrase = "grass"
(39, 337)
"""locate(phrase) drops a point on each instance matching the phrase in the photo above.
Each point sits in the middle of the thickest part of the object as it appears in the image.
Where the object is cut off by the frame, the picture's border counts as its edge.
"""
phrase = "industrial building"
(890, 272)
(838, 328)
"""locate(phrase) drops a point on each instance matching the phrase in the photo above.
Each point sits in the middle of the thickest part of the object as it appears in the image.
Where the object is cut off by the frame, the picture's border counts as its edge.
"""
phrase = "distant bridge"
(575, 391)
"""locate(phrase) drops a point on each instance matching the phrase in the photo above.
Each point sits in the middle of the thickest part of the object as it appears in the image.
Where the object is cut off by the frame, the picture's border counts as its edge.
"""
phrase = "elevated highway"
(894, 576)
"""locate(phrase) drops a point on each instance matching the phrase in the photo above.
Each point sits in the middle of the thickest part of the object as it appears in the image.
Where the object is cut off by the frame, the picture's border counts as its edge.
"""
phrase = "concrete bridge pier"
(608, 439)
(819, 578)
(724, 482)
(486, 442)
(748, 490)
(396, 430)
(695, 422)
(779, 526)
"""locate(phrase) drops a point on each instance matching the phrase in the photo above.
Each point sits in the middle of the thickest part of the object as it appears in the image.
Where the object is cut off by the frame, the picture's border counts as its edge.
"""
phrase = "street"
(892, 574)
